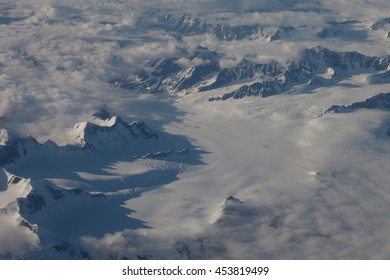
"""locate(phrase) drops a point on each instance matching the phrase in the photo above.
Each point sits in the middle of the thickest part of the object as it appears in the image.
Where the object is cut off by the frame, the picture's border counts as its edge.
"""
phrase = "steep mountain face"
(12, 190)
(186, 24)
(105, 134)
(377, 102)
(116, 135)
(13, 148)
(14, 186)
(169, 75)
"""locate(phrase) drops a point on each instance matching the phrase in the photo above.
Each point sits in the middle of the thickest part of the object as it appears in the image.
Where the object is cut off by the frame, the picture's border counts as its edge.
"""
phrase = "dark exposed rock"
(304, 70)
(167, 154)
(32, 203)
(377, 102)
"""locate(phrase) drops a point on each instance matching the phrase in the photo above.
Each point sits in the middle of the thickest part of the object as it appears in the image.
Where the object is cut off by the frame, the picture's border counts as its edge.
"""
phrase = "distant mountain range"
(187, 24)
(313, 68)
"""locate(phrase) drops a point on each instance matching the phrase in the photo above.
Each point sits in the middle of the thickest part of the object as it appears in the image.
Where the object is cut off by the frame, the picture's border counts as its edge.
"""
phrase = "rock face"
(166, 154)
(13, 148)
(245, 71)
(377, 102)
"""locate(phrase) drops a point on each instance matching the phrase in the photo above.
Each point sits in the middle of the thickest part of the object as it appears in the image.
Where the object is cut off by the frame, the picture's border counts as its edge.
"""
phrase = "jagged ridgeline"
(104, 134)
(377, 102)
(187, 24)
(312, 68)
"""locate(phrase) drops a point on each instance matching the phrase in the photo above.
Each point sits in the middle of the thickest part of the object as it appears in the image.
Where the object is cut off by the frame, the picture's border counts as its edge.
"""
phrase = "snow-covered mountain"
(187, 24)
(71, 191)
(13, 190)
(299, 174)
(103, 136)
(316, 67)
(170, 75)
(13, 148)
(113, 134)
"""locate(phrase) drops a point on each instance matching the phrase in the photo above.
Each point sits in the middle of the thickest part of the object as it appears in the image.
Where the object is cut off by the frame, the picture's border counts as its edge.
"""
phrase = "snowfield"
(237, 130)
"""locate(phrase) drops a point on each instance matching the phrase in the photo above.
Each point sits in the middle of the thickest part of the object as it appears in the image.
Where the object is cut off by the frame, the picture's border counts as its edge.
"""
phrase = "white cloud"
(15, 240)
(191, 62)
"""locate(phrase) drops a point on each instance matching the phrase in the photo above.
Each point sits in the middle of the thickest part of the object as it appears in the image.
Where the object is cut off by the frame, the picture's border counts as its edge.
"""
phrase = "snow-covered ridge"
(245, 71)
(170, 75)
(27, 206)
(187, 24)
(104, 135)
(13, 189)
(16, 147)
(378, 102)
(115, 133)
(315, 67)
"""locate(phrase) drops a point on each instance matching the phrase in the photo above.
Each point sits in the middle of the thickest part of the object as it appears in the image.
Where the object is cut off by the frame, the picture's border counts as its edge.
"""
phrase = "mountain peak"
(110, 134)
(232, 200)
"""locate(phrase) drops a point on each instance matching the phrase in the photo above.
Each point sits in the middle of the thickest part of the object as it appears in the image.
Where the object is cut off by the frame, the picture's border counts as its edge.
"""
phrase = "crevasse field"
(194, 129)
